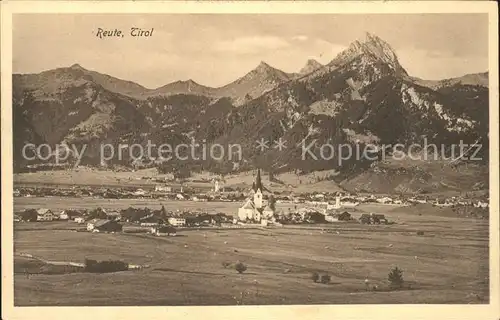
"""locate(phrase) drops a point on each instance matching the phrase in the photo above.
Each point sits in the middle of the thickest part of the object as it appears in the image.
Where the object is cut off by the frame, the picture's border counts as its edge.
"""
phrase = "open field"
(145, 179)
(448, 264)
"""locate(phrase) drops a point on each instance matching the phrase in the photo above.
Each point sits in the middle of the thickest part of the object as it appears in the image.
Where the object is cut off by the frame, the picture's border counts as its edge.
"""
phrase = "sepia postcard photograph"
(278, 154)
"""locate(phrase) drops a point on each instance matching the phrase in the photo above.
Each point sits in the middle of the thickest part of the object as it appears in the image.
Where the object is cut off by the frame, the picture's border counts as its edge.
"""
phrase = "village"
(259, 207)
(331, 243)
(215, 190)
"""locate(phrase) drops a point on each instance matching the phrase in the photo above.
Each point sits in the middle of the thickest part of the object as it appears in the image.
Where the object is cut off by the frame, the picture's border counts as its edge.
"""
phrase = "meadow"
(447, 262)
(145, 178)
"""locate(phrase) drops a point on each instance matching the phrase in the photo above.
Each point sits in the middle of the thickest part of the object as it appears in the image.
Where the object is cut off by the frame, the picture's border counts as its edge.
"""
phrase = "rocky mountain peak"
(381, 50)
(311, 65)
(185, 83)
(263, 67)
(76, 66)
(264, 72)
(373, 47)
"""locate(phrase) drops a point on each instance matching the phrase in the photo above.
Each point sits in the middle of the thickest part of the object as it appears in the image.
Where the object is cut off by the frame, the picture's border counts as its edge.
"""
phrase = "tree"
(105, 266)
(315, 276)
(163, 210)
(134, 214)
(29, 215)
(240, 267)
(396, 278)
(325, 279)
(272, 203)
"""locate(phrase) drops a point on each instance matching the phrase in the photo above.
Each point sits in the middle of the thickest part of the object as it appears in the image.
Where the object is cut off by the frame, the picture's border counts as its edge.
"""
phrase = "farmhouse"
(344, 216)
(101, 225)
(335, 216)
(373, 218)
(254, 208)
(179, 196)
(313, 216)
(139, 192)
(44, 215)
(113, 215)
(385, 200)
(98, 213)
(176, 221)
(63, 215)
(80, 220)
(150, 220)
(331, 217)
(481, 204)
(195, 219)
(69, 214)
(200, 198)
(160, 188)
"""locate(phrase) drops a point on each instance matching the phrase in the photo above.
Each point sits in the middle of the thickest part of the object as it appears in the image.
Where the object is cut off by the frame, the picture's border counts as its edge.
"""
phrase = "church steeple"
(257, 188)
(258, 182)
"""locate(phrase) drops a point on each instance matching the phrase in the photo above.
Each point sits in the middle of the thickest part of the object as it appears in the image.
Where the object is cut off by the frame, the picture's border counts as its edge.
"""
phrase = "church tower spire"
(257, 188)
(258, 182)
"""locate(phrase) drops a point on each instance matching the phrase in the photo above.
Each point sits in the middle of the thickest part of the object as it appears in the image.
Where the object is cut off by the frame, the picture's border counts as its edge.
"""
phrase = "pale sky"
(214, 49)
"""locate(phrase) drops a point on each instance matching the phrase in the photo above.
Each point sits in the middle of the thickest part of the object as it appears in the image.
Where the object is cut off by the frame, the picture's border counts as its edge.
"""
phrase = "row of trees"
(105, 266)
(29, 215)
(395, 278)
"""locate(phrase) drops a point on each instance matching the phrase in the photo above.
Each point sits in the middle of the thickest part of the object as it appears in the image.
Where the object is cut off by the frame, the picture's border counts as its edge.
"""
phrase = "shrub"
(315, 276)
(396, 278)
(240, 267)
(420, 233)
(325, 279)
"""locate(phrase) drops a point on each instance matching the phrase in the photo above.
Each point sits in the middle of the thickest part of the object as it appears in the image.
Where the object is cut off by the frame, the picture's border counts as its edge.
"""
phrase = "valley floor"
(447, 264)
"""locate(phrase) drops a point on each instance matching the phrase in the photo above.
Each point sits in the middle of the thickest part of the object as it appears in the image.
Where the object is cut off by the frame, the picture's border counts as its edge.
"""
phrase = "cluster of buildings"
(259, 209)
(104, 225)
(337, 200)
(255, 209)
(161, 192)
(44, 214)
(83, 191)
(257, 206)
(98, 219)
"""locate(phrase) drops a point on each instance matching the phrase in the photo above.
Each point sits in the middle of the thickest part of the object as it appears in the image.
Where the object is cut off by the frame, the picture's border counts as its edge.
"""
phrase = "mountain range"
(253, 84)
(364, 95)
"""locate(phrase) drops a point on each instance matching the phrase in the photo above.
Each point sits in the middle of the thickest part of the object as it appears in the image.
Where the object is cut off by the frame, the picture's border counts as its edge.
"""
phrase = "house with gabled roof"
(104, 225)
(44, 214)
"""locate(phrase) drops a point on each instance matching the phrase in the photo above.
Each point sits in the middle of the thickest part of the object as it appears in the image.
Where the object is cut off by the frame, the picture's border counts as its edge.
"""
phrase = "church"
(254, 209)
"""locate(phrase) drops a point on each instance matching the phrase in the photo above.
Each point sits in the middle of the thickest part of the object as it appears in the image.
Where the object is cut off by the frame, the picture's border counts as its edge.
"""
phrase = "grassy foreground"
(447, 264)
